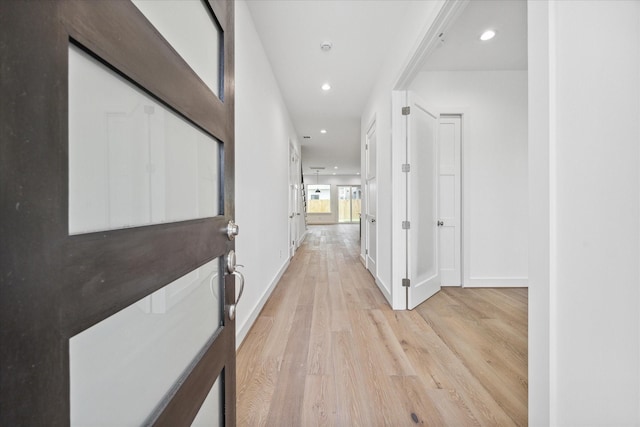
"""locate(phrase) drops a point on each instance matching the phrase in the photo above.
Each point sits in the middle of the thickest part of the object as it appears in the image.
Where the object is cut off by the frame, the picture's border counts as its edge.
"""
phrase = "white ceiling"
(292, 31)
(461, 48)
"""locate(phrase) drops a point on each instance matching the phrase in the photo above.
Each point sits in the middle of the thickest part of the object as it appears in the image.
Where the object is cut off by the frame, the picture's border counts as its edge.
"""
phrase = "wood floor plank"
(319, 359)
(351, 393)
(256, 381)
(319, 406)
(287, 398)
(502, 373)
(374, 366)
(414, 406)
(440, 368)
(327, 349)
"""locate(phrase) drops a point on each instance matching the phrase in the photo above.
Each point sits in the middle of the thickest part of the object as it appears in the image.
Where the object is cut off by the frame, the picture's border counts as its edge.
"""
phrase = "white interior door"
(422, 201)
(372, 199)
(449, 145)
(294, 203)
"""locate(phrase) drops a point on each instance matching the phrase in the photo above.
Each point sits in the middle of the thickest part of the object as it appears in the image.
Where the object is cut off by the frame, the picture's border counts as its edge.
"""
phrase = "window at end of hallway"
(319, 201)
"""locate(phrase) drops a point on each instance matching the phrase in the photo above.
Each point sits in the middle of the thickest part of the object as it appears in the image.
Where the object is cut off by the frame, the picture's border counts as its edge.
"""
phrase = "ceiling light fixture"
(326, 46)
(487, 35)
(317, 189)
(335, 167)
(323, 131)
(326, 87)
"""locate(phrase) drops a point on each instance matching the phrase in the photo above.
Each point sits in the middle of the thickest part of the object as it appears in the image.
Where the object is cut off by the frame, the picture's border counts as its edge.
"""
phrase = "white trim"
(371, 130)
(243, 330)
(497, 282)
(542, 355)
(465, 184)
(398, 200)
(301, 239)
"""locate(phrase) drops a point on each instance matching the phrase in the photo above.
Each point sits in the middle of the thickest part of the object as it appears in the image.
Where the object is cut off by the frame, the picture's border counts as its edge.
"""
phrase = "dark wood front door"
(64, 269)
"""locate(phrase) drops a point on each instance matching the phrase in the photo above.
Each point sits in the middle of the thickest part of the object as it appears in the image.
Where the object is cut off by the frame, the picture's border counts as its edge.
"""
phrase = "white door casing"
(449, 144)
(423, 263)
(371, 194)
(294, 202)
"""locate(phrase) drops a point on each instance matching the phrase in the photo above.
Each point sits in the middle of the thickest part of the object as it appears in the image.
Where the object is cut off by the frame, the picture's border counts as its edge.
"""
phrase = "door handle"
(373, 220)
(440, 223)
(232, 268)
(232, 307)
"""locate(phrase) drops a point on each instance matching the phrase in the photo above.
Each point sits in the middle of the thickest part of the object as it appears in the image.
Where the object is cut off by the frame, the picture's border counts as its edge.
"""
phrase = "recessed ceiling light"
(334, 173)
(335, 167)
(326, 87)
(357, 173)
(323, 131)
(487, 35)
(326, 46)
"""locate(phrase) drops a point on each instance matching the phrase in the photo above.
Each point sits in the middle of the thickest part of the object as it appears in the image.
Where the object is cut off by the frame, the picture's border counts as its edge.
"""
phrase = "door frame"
(399, 199)
(370, 219)
(463, 217)
(419, 291)
(350, 186)
(465, 185)
(55, 285)
(294, 198)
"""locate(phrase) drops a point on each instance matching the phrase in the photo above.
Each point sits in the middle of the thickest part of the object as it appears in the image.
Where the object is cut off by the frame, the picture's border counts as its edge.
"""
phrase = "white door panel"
(294, 201)
(422, 201)
(372, 227)
(372, 199)
(449, 143)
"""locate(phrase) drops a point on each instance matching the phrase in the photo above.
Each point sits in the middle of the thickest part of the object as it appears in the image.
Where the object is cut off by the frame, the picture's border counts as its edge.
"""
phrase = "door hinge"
(406, 111)
(366, 251)
(406, 167)
(366, 146)
(406, 282)
(406, 225)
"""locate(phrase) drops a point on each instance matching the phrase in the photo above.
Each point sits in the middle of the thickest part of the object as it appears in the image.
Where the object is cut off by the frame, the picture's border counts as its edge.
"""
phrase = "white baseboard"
(363, 261)
(301, 239)
(242, 331)
(496, 282)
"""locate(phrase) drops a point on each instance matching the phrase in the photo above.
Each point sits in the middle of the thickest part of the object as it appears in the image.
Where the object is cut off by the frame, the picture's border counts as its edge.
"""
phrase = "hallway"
(328, 350)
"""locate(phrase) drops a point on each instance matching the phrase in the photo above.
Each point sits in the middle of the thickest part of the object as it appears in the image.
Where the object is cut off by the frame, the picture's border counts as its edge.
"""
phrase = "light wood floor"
(328, 350)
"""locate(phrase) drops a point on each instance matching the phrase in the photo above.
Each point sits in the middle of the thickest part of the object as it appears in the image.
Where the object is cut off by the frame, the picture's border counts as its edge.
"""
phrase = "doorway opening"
(349, 203)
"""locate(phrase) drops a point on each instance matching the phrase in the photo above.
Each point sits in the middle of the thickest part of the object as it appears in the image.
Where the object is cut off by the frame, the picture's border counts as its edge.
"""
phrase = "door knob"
(232, 230)
(440, 223)
(232, 269)
(232, 307)
(373, 220)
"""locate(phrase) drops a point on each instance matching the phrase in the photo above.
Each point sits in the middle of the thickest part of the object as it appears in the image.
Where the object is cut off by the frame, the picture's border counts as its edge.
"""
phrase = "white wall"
(584, 305)
(495, 185)
(417, 20)
(334, 182)
(263, 130)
